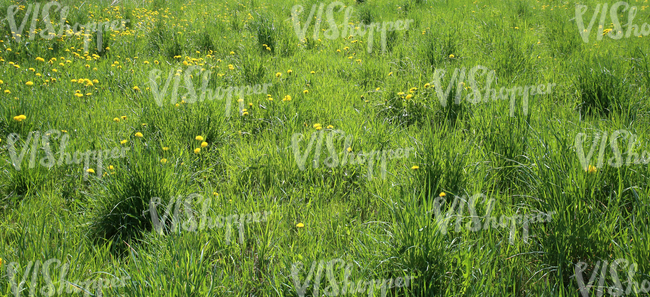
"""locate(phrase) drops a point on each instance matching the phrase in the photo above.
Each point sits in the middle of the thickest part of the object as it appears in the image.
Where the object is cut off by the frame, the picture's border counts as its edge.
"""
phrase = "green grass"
(384, 226)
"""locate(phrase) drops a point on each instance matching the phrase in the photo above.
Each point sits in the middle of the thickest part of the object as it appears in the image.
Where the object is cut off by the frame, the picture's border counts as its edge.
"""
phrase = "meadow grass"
(384, 227)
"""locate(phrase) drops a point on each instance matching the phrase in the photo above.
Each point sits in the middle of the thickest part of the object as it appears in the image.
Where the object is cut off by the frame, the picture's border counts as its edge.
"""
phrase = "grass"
(384, 225)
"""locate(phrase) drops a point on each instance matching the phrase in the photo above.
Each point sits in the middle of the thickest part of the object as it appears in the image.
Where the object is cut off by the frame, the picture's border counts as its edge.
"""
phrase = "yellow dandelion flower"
(300, 225)
(117, 120)
(426, 85)
(415, 167)
(124, 117)
(90, 170)
(136, 88)
(591, 169)
(330, 127)
(199, 138)
(289, 71)
(204, 144)
(165, 148)
(30, 83)
(278, 74)
(138, 134)
(313, 72)
(451, 56)
(163, 160)
(19, 118)
(110, 167)
(123, 141)
(197, 150)
(442, 194)
(409, 96)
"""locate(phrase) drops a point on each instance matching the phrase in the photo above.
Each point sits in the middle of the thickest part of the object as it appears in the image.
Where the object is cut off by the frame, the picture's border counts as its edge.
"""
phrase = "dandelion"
(136, 88)
(289, 71)
(231, 67)
(163, 160)
(286, 98)
(90, 170)
(313, 72)
(39, 59)
(390, 73)
(415, 167)
(591, 169)
(426, 86)
(123, 141)
(30, 83)
(232, 53)
(330, 127)
(300, 225)
(451, 56)
(7, 92)
(199, 138)
(20, 118)
(349, 150)
(244, 113)
(305, 91)
(124, 117)
(413, 90)
(409, 96)
(110, 167)
(316, 125)
(165, 148)
(197, 150)
(117, 120)
(204, 144)
(138, 134)
(240, 100)
(442, 194)
(278, 74)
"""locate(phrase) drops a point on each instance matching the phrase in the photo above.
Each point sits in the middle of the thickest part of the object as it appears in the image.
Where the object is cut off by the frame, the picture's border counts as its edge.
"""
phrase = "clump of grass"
(266, 33)
(120, 202)
(602, 90)
(435, 49)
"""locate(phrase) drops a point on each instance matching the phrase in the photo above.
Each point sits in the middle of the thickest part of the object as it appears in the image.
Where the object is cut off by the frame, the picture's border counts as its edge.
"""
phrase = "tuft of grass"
(602, 90)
